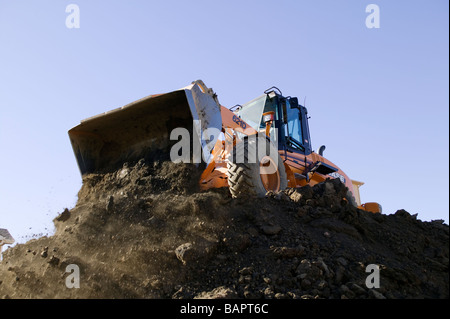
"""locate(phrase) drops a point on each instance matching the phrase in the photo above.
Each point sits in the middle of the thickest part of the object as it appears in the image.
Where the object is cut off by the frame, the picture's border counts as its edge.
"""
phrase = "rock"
(271, 229)
(304, 267)
(199, 250)
(288, 252)
(268, 293)
(54, 261)
(123, 172)
(44, 252)
(310, 270)
(295, 196)
(65, 215)
(244, 279)
(246, 271)
(221, 292)
(375, 294)
(321, 264)
(183, 252)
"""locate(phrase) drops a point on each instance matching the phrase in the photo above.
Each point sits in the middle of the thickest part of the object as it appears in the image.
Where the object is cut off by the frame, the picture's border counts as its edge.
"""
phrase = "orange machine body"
(297, 165)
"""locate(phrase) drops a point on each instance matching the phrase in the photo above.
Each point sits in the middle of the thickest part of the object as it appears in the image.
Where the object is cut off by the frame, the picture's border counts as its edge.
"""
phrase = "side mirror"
(321, 149)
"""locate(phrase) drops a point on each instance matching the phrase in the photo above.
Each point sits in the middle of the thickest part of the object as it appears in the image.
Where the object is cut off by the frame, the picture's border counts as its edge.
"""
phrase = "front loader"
(263, 145)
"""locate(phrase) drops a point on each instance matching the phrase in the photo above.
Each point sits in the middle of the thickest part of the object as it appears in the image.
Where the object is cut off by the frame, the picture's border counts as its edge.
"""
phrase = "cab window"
(293, 129)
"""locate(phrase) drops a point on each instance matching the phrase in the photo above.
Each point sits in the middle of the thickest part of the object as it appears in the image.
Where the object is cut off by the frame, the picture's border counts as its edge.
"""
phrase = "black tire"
(247, 167)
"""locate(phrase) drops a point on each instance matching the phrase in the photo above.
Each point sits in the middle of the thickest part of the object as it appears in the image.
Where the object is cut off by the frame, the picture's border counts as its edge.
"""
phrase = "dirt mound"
(147, 232)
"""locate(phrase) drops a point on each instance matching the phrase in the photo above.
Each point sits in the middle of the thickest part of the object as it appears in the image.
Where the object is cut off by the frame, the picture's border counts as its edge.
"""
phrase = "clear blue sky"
(378, 98)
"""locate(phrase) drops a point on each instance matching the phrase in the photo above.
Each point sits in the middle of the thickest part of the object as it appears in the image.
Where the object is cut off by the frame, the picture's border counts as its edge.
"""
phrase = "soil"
(146, 231)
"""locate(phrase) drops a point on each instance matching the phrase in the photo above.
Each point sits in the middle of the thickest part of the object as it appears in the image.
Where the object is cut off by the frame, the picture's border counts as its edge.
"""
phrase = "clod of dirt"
(146, 231)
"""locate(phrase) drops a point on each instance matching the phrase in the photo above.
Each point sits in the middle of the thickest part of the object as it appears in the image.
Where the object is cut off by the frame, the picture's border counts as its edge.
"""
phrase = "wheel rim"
(269, 174)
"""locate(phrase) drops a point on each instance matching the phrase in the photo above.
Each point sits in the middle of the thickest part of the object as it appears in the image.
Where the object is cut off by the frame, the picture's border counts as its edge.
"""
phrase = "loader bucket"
(142, 129)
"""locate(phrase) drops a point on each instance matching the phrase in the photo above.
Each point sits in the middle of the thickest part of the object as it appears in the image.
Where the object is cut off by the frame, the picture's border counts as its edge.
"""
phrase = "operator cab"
(285, 116)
